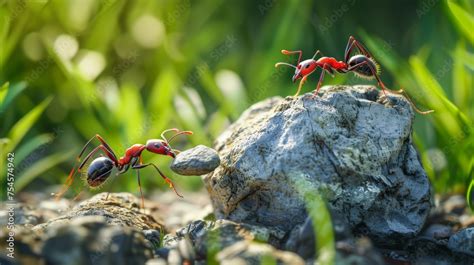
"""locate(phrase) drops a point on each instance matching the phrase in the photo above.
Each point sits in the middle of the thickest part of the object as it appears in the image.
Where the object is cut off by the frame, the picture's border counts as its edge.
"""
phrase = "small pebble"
(455, 204)
(462, 241)
(196, 161)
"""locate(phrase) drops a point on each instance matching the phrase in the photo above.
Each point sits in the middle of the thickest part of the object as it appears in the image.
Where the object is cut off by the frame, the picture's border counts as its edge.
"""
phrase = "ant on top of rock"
(362, 64)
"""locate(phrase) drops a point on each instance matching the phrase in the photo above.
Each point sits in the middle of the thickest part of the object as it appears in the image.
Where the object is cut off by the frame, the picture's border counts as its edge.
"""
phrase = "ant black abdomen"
(364, 70)
(99, 170)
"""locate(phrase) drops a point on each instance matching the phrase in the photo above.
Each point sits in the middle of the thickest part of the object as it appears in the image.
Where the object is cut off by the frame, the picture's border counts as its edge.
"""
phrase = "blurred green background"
(130, 69)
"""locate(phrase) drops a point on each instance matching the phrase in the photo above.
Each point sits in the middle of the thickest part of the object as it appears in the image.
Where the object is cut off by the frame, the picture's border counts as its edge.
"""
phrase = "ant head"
(304, 68)
(160, 147)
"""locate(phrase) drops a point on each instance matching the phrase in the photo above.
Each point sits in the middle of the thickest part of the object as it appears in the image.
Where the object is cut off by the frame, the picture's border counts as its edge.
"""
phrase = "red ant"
(363, 65)
(101, 168)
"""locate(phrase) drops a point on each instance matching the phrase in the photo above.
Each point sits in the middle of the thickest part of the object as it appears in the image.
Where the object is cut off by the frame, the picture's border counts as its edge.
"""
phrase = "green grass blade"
(322, 226)
(3, 92)
(217, 123)
(188, 117)
(463, 19)
(321, 221)
(208, 82)
(399, 68)
(15, 27)
(40, 167)
(160, 101)
(9, 93)
(20, 128)
(100, 37)
(462, 79)
(31, 145)
(448, 116)
(130, 113)
(466, 58)
(469, 198)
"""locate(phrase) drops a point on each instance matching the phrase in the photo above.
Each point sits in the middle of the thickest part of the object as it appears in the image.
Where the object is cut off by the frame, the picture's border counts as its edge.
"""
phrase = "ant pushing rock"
(101, 167)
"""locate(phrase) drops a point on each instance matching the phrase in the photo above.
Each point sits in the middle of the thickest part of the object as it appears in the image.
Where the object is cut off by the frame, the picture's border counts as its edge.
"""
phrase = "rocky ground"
(351, 147)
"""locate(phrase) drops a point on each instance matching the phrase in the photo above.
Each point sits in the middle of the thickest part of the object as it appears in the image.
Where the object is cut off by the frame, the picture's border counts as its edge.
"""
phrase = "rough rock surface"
(463, 241)
(245, 252)
(230, 242)
(352, 145)
(121, 209)
(445, 239)
(196, 161)
(96, 231)
(89, 240)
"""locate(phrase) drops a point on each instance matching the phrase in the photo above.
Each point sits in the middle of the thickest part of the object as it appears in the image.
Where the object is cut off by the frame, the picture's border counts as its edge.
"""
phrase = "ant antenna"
(287, 64)
(179, 133)
(168, 130)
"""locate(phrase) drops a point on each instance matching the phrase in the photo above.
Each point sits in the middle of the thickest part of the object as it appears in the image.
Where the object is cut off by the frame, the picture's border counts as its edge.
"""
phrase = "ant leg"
(316, 54)
(321, 77)
(72, 173)
(103, 142)
(70, 178)
(350, 45)
(167, 180)
(95, 150)
(405, 95)
(114, 178)
(362, 48)
(303, 80)
(77, 196)
(67, 184)
(330, 71)
(353, 42)
(374, 73)
(140, 160)
(399, 92)
(285, 52)
(140, 187)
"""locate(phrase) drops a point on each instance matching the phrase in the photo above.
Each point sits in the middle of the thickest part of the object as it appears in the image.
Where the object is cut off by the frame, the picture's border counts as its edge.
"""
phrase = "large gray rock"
(352, 145)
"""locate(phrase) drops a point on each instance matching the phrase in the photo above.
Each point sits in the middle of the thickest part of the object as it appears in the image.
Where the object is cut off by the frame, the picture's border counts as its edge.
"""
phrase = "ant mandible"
(362, 64)
(101, 167)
